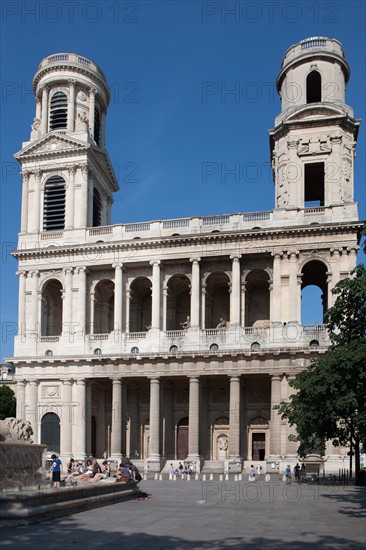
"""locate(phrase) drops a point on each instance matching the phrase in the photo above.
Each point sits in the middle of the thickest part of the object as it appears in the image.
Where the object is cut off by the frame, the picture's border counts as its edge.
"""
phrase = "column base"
(116, 458)
(233, 465)
(153, 465)
(195, 460)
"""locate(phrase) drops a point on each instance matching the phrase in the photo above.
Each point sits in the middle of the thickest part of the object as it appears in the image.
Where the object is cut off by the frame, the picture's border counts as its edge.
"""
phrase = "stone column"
(235, 290)
(275, 435)
(32, 408)
(66, 419)
(242, 302)
(84, 205)
(155, 316)
(35, 218)
(81, 328)
(20, 400)
(88, 419)
(25, 202)
(154, 447)
(234, 419)
(168, 449)
(70, 199)
(38, 108)
(194, 419)
(117, 423)
(293, 289)
(134, 444)
(275, 314)
(165, 306)
(79, 443)
(33, 322)
(128, 300)
(195, 292)
(21, 306)
(71, 113)
(291, 446)
(92, 93)
(44, 122)
(67, 314)
(102, 128)
(203, 306)
(117, 298)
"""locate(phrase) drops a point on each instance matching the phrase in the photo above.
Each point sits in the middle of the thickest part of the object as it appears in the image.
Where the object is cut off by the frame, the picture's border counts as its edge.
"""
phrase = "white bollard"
(227, 477)
(235, 477)
(156, 477)
(203, 477)
(160, 477)
(211, 477)
(145, 477)
(170, 477)
(240, 476)
(221, 477)
(188, 477)
(174, 477)
(196, 477)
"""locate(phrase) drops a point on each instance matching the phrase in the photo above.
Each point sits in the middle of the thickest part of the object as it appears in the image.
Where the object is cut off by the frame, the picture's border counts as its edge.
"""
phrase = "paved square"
(210, 515)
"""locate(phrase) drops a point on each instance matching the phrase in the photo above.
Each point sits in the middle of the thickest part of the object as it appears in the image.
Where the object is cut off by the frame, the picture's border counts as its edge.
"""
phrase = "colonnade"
(71, 400)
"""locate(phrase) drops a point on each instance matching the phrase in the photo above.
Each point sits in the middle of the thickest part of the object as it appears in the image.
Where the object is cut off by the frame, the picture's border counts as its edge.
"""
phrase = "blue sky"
(159, 57)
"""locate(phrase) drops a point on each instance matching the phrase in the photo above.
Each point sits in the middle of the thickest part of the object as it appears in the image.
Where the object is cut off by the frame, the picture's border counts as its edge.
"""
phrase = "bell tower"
(67, 177)
(313, 142)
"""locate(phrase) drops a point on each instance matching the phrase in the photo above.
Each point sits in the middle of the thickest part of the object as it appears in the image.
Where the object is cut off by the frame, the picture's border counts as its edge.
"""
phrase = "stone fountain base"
(22, 464)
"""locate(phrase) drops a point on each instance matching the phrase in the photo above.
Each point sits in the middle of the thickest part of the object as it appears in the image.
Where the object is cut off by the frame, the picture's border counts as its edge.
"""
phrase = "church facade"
(174, 339)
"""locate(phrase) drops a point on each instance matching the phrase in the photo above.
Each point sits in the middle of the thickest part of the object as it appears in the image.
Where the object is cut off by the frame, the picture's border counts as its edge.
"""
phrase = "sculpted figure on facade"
(36, 126)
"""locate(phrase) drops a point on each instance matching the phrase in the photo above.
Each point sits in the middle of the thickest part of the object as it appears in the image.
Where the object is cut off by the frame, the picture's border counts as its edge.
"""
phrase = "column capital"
(194, 378)
(44, 88)
(34, 273)
(68, 270)
(195, 260)
(155, 262)
(234, 378)
(235, 256)
(92, 91)
(154, 378)
(25, 175)
(276, 377)
(118, 265)
(21, 273)
(71, 82)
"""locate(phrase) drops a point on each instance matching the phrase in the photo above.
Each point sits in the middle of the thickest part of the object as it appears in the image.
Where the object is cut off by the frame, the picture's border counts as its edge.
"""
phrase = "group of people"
(299, 471)
(127, 471)
(92, 471)
(183, 470)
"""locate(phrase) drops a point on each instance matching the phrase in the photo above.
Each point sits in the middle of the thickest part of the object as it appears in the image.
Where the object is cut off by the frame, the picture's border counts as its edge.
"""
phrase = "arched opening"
(140, 305)
(313, 87)
(58, 111)
(217, 299)
(97, 208)
(182, 438)
(314, 304)
(220, 438)
(54, 204)
(96, 126)
(51, 309)
(104, 307)
(178, 302)
(257, 298)
(50, 432)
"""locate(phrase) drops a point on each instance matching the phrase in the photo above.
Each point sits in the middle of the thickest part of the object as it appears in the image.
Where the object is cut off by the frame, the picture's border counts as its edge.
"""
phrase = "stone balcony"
(235, 339)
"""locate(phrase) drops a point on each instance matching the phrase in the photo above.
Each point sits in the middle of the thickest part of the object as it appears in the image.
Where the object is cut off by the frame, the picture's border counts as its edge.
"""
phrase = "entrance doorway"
(50, 432)
(182, 438)
(258, 446)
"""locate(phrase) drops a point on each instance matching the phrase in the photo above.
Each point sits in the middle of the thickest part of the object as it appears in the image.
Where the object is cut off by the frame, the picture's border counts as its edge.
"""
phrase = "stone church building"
(174, 339)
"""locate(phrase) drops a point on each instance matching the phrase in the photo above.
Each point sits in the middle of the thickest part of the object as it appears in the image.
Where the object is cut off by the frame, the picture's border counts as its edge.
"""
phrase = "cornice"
(150, 243)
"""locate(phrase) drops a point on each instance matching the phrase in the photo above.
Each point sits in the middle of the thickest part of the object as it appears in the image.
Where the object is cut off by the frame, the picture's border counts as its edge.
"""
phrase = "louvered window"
(58, 111)
(96, 126)
(97, 208)
(54, 204)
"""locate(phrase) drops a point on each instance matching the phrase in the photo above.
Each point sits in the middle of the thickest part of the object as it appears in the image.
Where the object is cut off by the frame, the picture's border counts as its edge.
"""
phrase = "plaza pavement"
(209, 515)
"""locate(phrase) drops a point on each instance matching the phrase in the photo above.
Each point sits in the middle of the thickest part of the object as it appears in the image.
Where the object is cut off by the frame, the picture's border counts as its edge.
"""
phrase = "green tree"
(330, 398)
(7, 402)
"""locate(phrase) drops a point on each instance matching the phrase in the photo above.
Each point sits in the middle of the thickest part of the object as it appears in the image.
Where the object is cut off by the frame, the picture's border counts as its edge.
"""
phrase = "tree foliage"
(7, 402)
(329, 402)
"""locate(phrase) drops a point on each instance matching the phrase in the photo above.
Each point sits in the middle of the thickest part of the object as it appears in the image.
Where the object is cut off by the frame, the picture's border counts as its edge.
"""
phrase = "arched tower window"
(97, 208)
(58, 111)
(96, 126)
(54, 204)
(313, 87)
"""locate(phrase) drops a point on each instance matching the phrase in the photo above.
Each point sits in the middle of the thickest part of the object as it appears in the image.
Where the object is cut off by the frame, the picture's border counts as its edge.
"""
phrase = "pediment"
(52, 143)
(315, 112)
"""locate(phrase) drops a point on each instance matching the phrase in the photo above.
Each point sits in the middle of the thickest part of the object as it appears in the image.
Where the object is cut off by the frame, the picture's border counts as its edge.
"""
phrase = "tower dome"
(72, 97)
